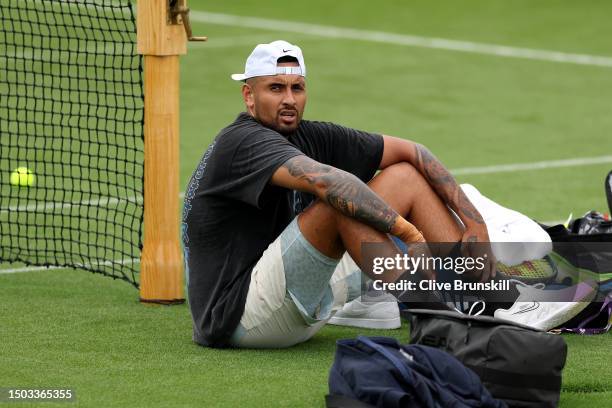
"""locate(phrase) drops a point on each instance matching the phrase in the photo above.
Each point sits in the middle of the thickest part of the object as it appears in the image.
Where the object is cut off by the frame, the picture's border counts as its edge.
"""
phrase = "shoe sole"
(566, 316)
(558, 320)
(394, 323)
(580, 305)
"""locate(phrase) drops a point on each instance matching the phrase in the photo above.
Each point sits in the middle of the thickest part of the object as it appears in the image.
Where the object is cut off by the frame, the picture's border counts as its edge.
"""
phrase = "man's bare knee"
(400, 185)
(397, 173)
(319, 225)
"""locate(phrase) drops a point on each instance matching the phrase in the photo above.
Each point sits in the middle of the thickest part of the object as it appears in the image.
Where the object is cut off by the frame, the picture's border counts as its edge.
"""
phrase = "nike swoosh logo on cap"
(286, 50)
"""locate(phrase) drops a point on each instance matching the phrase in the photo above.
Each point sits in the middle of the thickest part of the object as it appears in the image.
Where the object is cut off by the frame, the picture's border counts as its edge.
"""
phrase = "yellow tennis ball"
(22, 176)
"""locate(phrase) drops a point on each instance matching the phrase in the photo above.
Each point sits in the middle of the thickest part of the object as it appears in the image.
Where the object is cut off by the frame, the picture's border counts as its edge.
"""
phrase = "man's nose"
(289, 97)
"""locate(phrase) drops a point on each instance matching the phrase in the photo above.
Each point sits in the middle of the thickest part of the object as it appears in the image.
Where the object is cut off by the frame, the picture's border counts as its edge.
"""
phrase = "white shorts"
(273, 317)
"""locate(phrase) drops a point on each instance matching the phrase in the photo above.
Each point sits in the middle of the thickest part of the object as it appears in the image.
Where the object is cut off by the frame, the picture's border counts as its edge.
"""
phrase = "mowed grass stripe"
(400, 39)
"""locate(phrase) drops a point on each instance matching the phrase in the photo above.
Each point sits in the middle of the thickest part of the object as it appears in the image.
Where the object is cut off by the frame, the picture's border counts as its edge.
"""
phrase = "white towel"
(515, 238)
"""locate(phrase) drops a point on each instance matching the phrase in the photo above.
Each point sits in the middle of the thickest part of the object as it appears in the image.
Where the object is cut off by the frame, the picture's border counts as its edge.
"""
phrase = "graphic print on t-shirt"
(189, 195)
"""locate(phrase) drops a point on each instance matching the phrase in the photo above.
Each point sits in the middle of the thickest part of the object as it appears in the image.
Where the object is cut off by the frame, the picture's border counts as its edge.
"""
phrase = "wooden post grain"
(161, 273)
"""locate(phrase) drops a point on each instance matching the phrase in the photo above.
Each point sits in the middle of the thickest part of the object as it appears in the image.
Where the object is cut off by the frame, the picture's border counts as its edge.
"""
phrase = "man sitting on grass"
(278, 207)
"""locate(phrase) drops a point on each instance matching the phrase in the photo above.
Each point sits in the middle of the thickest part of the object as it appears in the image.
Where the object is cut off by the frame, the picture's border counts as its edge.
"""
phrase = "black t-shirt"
(232, 213)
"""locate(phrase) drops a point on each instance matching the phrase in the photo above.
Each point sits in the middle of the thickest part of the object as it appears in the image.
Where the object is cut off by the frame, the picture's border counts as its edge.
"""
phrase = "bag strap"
(606, 305)
(581, 329)
(396, 362)
(491, 375)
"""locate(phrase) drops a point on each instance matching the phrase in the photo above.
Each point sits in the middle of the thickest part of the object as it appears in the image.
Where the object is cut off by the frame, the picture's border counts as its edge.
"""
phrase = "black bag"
(588, 235)
(380, 372)
(517, 364)
(590, 253)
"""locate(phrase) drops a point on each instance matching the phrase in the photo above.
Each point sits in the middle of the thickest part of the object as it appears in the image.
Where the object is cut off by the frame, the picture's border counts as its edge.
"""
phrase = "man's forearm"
(445, 185)
(347, 194)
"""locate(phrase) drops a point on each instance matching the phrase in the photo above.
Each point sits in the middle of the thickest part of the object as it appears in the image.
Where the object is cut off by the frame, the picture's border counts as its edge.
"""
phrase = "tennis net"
(71, 111)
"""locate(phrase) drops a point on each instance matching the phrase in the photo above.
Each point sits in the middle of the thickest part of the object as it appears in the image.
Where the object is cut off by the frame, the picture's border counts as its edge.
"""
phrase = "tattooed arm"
(442, 182)
(439, 178)
(445, 185)
(346, 193)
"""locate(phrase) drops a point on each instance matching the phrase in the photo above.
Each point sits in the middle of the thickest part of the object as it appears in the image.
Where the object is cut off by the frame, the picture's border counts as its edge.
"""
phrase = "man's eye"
(275, 88)
(298, 88)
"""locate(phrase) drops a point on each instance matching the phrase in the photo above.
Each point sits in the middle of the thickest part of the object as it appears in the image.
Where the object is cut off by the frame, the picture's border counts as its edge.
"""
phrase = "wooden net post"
(161, 43)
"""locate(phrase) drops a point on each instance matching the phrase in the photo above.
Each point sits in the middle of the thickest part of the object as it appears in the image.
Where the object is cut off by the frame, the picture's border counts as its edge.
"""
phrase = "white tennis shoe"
(380, 314)
(547, 309)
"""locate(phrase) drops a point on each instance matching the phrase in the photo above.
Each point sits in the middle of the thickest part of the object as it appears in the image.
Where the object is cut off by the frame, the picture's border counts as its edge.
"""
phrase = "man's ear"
(247, 96)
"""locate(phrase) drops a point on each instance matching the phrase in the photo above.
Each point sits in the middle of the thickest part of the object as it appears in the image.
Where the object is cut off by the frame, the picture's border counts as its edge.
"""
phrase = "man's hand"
(474, 244)
(417, 246)
(406, 231)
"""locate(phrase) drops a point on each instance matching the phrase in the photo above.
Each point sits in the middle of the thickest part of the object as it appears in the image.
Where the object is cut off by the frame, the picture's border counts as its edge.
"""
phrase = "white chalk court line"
(399, 39)
(462, 171)
(30, 269)
(76, 265)
(504, 168)
(381, 37)
(53, 205)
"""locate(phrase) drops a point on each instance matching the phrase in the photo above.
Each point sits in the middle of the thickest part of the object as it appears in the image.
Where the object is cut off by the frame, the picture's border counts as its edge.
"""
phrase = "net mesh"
(71, 111)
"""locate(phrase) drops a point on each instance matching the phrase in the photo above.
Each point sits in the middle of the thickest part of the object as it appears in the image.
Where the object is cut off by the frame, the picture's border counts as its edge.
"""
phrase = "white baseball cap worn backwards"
(264, 58)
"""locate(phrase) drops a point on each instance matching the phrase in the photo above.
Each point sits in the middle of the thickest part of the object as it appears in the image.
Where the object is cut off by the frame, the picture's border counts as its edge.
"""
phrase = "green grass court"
(67, 328)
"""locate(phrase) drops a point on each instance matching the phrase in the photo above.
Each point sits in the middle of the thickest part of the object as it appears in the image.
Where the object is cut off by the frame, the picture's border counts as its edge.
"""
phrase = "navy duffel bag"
(379, 372)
